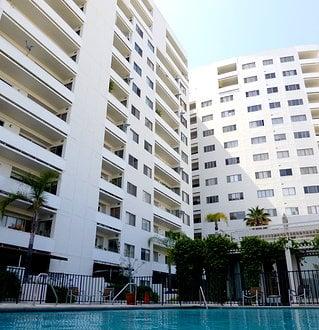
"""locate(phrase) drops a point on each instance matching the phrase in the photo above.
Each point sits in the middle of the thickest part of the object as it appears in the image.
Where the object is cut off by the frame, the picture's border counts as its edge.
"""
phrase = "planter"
(130, 299)
(146, 298)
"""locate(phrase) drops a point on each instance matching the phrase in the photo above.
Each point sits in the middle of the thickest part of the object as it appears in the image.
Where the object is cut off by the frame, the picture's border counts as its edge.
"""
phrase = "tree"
(257, 217)
(216, 217)
(35, 197)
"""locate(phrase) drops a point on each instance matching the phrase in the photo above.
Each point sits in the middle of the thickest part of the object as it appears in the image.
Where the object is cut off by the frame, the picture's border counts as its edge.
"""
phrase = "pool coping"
(23, 308)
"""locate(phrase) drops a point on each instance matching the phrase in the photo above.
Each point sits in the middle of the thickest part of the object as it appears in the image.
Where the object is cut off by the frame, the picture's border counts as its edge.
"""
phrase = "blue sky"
(212, 30)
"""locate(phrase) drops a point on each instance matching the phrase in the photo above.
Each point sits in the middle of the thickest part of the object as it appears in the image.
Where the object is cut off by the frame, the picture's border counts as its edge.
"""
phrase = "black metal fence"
(287, 288)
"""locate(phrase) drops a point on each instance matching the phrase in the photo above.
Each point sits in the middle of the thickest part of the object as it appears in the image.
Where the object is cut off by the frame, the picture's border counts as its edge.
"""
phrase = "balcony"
(124, 25)
(162, 169)
(168, 80)
(113, 159)
(175, 58)
(166, 114)
(119, 132)
(111, 188)
(123, 8)
(45, 18)
(170, 137)
(119, 91)
(162, 151)
(170, 99)
(107, 220)
(143, 12)
(313, 99)
(35, 80)
(167, 216)
(227, 84)
(308, 55)
(121, 43)
(19, 31)
(16, 105)
(167, 194)
(120, 82)
(164, 123)
(19, 149)
(68, 11)
(226, 70)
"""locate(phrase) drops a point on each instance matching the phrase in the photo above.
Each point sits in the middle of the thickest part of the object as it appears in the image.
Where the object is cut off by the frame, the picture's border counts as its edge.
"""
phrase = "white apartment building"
(96, 91)
(254, 137)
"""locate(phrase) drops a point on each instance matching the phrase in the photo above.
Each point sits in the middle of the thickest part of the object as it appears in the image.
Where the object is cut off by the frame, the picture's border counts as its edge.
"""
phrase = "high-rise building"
(96, 91)
(254, 137)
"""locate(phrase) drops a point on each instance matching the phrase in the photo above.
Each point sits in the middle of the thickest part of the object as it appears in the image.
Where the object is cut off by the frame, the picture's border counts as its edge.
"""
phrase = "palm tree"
(36, 199)
(216, 217)
(257, 217)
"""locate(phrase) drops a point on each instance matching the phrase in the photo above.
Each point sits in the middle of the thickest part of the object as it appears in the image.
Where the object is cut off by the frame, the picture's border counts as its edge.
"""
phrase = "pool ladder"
(202, 295)
(44, 275)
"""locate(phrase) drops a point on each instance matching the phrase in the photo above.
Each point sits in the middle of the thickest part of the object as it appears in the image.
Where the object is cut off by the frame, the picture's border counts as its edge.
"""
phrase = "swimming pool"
(217, 319)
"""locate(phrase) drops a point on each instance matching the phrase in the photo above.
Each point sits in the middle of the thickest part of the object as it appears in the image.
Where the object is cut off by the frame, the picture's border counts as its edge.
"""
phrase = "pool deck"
(13, 308)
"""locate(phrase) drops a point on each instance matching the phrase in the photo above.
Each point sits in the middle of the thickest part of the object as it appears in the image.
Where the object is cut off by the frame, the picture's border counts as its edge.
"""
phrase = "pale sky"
(211, 30)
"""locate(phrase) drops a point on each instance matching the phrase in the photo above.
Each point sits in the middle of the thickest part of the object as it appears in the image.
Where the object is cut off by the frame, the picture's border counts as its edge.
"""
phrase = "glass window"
(149, 102)
(285, 172)
(258, 140)
(298, 118)
(302, 135)
(146, 225)
(229, 128)
(308, 170)
(148, 124)
(228, 113)
(292, 87)
(290, 191)
(235, 196)
(135, 112)
(232, 161)
(271, 90)
(305, 152)
(263, 175)
(207, 118)
(254, 108)
(148, 147)
(287, 59)
(248, 65)
(313, 209)
(271, 75)
(147, 171)
(261, 157)
(133, 161)
(231, 144)
(147, 197)
(212, 199)
(208, 132)
(210, 164)
(206, 103)
(268, 62)
(234, 178)
(211, 182)
(292, 211)
(274, 105)
(252, 93)
(209, 148)
(283, 154)
(131, 189)
(129, 250)
(250, 79)
(288, 73)
(131, 219)
(137, 69)
(280, 137)
(256, 123)
(138, 49)
(136, 90)
(135, 136)
(277, 121)
(265, 193)
(227, 98)
(295, 102)
(145, 254)
(239, 215)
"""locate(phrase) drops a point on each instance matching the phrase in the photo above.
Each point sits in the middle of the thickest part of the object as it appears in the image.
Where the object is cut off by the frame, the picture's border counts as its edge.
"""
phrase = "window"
(150, 64)
(239, 215)
(228, 113)
(129, 250)
(195, 166)
(208, 132)
(155, 256)
(145, 254)
(148, 124)
(147, 171)
(209, 148)
(314, 209)
(227, 98)
(282, 154)
(186, 219)
(206, 103)
(139, 31)
(271, 75)
(274, 105)
(135, 136)
(280, 137)
(212, 199)
(271, 90)
(265, 193)
(301, 135)
(185, 177)
(292, 210)
(256, 123)
(150, 46)
(137, 69)
(135, 112)
(211, 182)
(308, 170)
(261, 157)
(290, 191)
(146, 225)
(184, 138)
(148, 147)
(196, 200)
(195, 183)
(271, 212)
(277, 121)
(248, 65)
(254, 108)
(130, 219)
(295, 102)
(133, 161)
(193, 134)
(252, 93)
(210, 164)
(311, 189)
(147, 197)
(232, 161)
(298, 118)
(258, 140)
(233, 178)
(192, 106)
(231, 144)
(287, 59)
(263, 175)
(193, 120)
(138, 49)
(149, 83)
(285, 172)
(136, 90)
(268, 62)
(184, 157)
(197, 218)
(229, 128)
(288, 73)
(149, 102)
(305, 152)
(185, 197)
(207, 118)
(293, 87)
(131, 189)
(250, 79)
(235, 196)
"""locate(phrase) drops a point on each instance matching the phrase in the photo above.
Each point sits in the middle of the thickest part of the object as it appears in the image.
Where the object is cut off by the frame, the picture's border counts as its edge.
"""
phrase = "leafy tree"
(215, 218)
(257, 217)
(36, 199)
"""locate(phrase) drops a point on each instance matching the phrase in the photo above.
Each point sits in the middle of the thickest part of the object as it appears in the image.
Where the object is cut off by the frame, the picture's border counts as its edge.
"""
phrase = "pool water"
(217, 319)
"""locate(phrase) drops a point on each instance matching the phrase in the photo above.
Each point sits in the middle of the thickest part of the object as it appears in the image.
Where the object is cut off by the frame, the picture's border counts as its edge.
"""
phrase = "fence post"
(292, 286)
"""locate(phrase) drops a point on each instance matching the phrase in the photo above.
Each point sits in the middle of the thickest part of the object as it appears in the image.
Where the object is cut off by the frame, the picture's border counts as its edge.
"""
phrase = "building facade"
(254, 137)
(96, 91)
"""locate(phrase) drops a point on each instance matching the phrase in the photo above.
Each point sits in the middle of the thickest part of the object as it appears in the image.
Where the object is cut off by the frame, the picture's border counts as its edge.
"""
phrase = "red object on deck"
(130, 298)
(146, 298)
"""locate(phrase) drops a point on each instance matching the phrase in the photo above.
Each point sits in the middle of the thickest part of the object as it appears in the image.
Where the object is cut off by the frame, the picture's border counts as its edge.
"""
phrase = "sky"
(212, 30)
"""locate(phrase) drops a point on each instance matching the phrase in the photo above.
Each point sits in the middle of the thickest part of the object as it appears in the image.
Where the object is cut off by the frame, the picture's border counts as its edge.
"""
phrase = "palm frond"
(12, 197)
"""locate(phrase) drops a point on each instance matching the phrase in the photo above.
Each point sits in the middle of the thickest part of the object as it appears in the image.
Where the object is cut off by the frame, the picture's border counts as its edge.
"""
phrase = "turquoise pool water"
(217, 319)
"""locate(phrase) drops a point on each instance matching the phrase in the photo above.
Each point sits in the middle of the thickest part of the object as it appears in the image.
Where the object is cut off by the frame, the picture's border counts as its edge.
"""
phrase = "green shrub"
(141, 290)
(62, 294)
